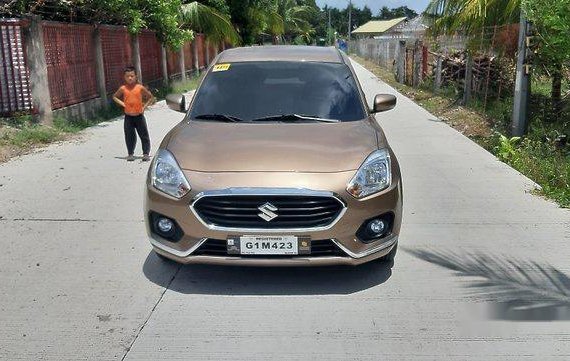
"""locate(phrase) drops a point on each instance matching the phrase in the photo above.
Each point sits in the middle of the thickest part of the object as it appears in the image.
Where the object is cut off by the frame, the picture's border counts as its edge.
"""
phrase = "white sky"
(375, 5)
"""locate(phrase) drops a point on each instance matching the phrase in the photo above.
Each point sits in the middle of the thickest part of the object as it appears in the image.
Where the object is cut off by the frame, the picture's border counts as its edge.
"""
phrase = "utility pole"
(329, 27)
(522, 85)
(349, 18)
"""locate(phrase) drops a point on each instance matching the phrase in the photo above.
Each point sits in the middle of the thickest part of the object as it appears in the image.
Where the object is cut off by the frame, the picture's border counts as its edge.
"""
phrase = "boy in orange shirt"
(132, 94)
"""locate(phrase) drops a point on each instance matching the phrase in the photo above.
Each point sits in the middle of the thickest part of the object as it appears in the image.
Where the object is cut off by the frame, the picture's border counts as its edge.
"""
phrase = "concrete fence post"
(401, 62)
(438, 71)
(137, 56)
(195, 55)
(100, 66)
(181, 63)
(164, 65)
(417, 75)
(41, 99)
(207, 44)
(387, 54)
(215, 52)
(468, 79)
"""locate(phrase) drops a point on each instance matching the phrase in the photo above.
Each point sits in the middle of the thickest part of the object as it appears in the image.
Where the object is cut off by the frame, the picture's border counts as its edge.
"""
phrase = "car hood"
(278, 147)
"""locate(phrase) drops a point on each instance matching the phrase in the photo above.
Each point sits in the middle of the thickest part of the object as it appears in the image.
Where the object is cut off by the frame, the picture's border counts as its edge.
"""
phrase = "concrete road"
(78, 280)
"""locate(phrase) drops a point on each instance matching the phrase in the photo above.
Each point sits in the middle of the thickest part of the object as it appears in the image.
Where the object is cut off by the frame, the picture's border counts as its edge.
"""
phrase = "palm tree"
(295, 15)
(216, 26)
(471, 16)
(286, 19)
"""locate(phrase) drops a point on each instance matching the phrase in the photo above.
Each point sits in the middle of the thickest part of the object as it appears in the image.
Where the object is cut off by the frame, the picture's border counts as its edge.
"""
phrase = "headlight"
(167, 176)
(373, 176)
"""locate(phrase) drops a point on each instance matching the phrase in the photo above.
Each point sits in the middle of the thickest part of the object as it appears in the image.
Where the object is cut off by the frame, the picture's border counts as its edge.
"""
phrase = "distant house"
(400, 28)
(376, 28)
(412, 28)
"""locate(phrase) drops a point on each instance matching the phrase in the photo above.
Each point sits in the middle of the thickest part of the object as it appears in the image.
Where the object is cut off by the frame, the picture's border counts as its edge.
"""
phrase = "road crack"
(151, 312)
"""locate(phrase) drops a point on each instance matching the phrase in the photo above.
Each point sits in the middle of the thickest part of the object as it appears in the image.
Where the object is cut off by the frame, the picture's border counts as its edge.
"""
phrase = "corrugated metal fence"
(150, 51)
(71, 62)
(70, 59)
(14, 78)
(117, 54)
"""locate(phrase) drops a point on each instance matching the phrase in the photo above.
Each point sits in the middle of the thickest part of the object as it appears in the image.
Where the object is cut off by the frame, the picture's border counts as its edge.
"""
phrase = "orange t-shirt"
(132, 97)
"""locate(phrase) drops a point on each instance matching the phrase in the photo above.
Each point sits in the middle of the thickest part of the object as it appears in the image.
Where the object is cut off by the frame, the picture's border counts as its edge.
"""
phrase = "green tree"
(278, 18)
(361, 16)
(295, 17)
(551, 19)
(470, 16)
(161, 16)
(399, 12)
(215, 25)
(220, 5)
(249, 18)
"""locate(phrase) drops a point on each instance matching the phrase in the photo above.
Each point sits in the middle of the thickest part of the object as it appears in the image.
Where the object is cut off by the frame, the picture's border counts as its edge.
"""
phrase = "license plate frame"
(268, 245)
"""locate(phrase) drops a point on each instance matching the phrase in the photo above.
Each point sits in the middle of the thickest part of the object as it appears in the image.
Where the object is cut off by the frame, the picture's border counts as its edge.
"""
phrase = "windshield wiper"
(293, 118)
(222, 117)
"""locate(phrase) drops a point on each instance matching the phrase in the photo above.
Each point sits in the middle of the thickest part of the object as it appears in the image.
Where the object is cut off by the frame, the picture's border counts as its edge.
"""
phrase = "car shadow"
(229, 280)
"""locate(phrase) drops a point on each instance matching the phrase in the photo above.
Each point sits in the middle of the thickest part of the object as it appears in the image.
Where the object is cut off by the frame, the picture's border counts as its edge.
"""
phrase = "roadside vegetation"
(177, 87)
(543, 155)
(20, 135)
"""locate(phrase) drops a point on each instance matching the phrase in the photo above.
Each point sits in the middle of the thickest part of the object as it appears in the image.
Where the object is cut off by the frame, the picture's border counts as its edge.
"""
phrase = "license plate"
(269, 245)
(276, 245)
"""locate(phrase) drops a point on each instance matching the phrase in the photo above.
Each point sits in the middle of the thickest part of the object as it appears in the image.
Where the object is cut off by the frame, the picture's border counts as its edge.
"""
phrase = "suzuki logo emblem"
(267, 212)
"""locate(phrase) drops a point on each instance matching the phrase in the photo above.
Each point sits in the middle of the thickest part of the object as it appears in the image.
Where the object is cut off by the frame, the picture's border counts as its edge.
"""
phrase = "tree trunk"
(556, 94)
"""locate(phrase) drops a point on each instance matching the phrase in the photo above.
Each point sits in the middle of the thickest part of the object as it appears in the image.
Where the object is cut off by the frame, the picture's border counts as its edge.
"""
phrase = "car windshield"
(251, 91)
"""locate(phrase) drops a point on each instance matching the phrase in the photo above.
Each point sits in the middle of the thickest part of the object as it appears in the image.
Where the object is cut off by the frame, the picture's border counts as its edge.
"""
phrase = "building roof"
(378, 26)
(281, 53)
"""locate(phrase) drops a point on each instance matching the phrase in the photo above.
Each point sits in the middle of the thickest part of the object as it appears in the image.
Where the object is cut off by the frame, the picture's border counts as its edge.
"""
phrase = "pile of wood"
(492, 75)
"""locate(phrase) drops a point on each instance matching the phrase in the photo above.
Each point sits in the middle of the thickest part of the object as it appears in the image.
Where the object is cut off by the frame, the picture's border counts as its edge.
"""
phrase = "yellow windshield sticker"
(221, 67)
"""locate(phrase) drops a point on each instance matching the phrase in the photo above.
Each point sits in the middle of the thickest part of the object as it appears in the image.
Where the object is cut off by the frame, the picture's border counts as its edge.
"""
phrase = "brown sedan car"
(278, 162)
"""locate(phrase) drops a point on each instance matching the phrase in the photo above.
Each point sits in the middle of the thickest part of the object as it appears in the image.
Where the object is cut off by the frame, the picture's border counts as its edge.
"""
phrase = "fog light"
(377, 226)
(374, 229)
(165, 225)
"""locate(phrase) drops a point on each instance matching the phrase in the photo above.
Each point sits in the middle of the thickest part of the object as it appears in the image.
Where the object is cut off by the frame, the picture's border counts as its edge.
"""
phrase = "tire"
(389, 258)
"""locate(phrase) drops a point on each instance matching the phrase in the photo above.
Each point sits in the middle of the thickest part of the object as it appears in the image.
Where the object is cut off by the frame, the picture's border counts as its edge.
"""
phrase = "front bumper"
(342, 233)
(352, 260)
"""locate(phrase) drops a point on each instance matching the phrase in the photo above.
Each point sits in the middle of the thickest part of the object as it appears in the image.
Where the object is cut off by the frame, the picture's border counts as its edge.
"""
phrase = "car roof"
(281, 53)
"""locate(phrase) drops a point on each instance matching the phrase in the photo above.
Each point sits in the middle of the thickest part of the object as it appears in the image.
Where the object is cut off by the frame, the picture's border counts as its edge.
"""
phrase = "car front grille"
(319, 248)
(291, 211)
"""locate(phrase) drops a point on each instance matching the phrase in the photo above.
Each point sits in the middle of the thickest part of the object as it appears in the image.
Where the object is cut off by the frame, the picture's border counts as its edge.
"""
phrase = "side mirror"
(383, 102)
(176, 102)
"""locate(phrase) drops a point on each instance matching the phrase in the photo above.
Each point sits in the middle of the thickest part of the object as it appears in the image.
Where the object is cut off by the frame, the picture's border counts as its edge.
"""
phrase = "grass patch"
(19, 134)
(542, 155)
(177, 87)
(33, 134)
(536, 159)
